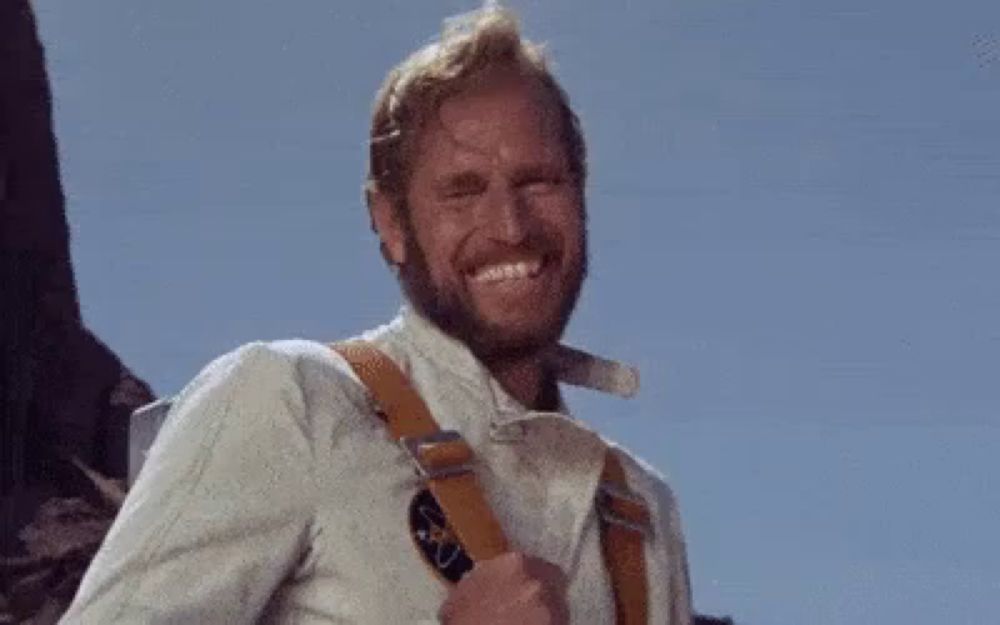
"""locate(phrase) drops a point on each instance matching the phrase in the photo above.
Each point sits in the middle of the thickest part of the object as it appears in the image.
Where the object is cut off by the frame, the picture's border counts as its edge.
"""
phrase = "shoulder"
(300, 374)
(669, 563)
(286, 358)
(267, 384)
(295, 365)
(652, 484)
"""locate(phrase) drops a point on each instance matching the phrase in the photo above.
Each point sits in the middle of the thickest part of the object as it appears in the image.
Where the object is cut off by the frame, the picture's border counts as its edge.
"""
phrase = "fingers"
(511, 588)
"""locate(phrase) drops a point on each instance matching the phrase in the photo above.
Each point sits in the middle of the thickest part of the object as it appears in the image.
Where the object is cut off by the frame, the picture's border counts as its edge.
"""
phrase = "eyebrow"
(470, 178)
(539, 170)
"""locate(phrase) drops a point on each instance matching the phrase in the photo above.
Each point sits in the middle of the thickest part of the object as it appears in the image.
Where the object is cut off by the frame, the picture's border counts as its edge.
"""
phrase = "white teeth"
(507, 271)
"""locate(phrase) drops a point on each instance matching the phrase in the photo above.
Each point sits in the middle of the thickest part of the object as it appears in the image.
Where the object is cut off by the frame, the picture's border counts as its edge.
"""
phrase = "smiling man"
(277, 491)
(487, 229)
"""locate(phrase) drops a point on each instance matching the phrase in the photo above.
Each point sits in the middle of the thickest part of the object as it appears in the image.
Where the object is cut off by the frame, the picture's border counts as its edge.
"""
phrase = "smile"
(507, 271)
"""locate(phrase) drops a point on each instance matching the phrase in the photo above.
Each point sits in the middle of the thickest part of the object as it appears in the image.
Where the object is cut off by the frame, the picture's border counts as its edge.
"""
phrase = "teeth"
(507, 271)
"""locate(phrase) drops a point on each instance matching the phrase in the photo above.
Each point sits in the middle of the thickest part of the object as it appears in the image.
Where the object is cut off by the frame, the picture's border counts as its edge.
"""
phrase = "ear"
(387, 223)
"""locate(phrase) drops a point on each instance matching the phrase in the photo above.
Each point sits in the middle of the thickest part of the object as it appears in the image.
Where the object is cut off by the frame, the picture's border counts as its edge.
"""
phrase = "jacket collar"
(563, 454)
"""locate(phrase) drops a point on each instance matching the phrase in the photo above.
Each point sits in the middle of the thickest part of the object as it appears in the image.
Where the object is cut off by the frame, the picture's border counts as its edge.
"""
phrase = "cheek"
(569, 224)
(439, 247)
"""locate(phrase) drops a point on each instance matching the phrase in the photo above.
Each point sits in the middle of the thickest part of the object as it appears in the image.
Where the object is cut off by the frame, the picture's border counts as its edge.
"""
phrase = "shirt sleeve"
(223, 508)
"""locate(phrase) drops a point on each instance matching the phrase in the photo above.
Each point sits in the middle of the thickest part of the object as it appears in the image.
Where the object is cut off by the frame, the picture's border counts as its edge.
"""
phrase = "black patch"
(434, 537)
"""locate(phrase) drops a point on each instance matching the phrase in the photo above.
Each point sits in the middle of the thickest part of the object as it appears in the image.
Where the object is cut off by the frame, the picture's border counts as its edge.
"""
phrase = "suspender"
(625, 523)
(444, 459)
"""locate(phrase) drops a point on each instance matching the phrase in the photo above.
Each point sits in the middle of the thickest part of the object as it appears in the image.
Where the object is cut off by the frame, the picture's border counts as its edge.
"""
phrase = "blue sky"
(795, 234)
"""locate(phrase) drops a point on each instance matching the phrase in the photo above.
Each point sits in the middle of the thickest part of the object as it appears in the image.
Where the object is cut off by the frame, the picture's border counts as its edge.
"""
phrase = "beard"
(453, 310)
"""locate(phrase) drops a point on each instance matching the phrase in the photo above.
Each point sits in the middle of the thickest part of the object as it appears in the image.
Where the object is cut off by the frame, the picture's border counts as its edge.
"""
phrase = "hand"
(511, 589)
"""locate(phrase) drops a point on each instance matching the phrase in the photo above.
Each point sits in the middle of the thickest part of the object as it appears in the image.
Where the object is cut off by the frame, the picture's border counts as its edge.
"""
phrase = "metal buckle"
(414, 444)
(607, 491)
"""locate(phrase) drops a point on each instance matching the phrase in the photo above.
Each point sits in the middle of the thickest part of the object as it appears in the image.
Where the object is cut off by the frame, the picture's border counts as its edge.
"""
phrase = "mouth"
(508, 270)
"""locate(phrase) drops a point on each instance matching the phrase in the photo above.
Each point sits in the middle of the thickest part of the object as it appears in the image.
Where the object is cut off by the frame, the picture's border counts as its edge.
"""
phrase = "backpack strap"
(441, 456)
(625, 525)
(444, 459)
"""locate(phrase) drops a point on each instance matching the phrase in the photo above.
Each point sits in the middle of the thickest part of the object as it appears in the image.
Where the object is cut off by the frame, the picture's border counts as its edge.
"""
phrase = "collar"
(569, 365)
(565, 456)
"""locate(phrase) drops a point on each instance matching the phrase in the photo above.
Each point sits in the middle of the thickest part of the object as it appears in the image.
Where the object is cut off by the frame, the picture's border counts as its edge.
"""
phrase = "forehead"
(502, 120)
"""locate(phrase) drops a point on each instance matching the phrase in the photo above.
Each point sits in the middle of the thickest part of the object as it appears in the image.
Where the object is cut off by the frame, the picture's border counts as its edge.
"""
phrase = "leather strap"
(445, 461)
(625, 523)
(445, 458)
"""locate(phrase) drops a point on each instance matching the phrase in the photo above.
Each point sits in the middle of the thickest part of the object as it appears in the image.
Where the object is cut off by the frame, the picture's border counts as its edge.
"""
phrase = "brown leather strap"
(624, 517)
(625, 523)
(444, 460)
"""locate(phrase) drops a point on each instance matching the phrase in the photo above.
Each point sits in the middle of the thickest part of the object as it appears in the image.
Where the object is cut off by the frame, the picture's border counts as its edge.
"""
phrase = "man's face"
(495, 238)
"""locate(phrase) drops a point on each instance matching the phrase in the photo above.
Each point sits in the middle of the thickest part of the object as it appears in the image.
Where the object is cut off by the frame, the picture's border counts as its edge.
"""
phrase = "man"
(273, 492)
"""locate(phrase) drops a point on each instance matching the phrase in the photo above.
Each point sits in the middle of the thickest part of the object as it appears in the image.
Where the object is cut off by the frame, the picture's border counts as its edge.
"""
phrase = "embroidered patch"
(435, 539)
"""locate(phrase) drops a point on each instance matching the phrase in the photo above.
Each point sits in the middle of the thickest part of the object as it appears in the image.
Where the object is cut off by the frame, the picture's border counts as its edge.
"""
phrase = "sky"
(795, 235)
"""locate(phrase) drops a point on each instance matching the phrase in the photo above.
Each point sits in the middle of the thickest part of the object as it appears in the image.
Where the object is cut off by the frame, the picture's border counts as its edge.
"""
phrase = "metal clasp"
(415, 445)
(607, 493)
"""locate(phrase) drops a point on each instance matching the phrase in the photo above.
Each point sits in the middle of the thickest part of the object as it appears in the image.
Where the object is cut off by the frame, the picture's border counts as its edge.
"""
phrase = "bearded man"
(274, 492)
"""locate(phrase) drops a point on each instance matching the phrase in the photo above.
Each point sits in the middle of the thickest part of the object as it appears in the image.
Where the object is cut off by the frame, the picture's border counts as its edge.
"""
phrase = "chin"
(490, 333)
(506, 341)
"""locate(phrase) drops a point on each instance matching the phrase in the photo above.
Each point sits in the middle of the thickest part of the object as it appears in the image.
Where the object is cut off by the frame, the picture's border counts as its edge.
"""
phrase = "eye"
(463, 188)
(461, 194)
(540, 185)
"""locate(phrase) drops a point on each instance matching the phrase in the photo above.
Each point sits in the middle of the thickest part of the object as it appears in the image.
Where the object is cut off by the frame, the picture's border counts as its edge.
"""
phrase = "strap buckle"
(619, 506)
(440, 454)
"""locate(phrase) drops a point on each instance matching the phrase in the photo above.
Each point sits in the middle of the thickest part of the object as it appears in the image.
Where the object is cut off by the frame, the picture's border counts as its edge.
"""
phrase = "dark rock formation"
(63, 393)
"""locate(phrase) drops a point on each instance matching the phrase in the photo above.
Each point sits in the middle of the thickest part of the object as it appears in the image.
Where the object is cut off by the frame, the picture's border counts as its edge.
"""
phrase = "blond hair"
(470, 45)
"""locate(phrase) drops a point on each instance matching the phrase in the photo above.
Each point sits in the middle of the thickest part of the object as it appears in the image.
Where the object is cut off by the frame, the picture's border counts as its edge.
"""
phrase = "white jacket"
(273, 494)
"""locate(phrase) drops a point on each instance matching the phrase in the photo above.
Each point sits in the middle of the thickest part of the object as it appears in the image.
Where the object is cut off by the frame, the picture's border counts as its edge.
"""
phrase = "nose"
(508, 215)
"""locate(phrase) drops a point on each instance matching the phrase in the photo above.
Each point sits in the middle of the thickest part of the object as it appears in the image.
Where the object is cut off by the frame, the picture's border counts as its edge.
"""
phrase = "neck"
(526, 380)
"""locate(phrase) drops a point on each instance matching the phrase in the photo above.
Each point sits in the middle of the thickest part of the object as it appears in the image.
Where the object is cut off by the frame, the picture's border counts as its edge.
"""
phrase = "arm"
(222, 510)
